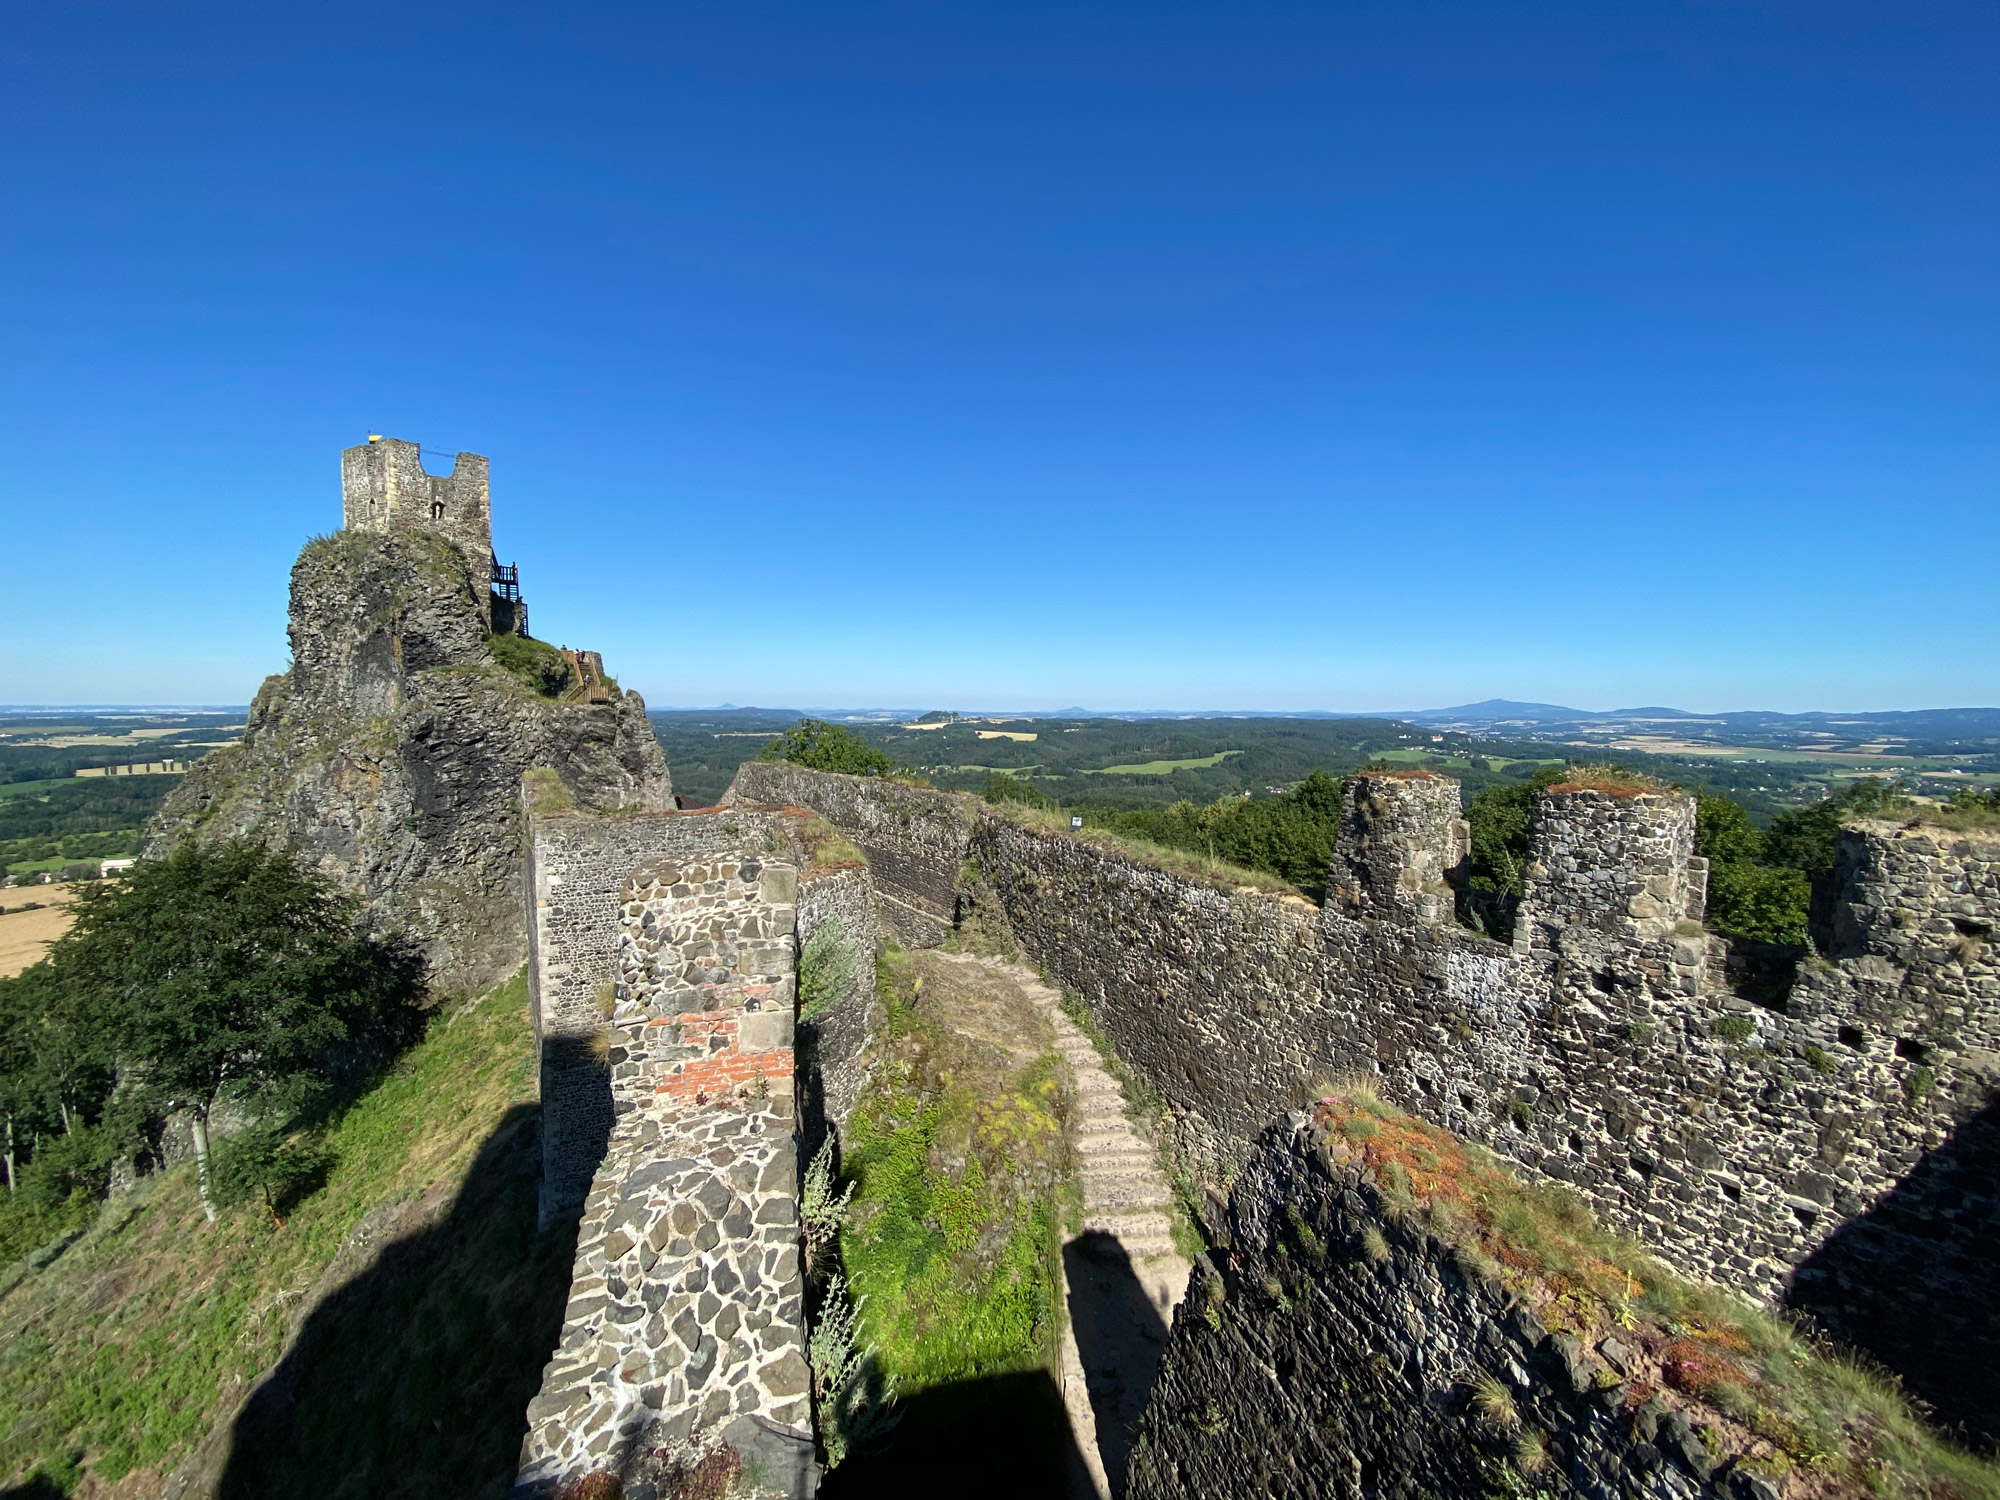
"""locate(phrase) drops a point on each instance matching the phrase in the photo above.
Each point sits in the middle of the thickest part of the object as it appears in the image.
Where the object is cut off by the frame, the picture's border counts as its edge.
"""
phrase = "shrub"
(1759, 902)
(855, 1401)
(821, 1210)
(1000, 787)
(827, 965)
(1290, 836)
(820, 746)
(1748, 896)
(1736, 1029)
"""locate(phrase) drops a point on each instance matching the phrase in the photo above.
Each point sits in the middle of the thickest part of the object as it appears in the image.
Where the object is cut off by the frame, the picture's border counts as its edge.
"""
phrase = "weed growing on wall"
(827, 967)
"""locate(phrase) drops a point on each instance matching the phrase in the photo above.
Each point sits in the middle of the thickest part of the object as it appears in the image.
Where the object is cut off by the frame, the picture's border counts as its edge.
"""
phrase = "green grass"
(1164, 767)
(539, 666)
(952, 1242)
(120, 1356)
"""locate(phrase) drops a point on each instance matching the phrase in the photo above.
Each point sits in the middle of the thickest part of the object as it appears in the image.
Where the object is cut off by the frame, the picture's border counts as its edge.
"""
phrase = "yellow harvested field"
(25, 935)
(1006, 734)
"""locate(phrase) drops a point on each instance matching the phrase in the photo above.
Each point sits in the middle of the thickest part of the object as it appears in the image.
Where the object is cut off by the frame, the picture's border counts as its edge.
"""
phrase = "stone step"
(1109, 1169)
(1123, 1157)
(1149, 1246)
(1134, 1198)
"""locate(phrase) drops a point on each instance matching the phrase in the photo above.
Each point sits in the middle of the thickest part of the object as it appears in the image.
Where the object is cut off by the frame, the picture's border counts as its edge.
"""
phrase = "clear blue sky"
(1020, 354)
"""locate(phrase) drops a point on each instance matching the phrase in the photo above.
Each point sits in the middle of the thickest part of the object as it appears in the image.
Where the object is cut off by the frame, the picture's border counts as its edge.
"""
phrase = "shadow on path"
(1914, 1283)
(1121, 1337)
(414, 1378)
(998, 1435)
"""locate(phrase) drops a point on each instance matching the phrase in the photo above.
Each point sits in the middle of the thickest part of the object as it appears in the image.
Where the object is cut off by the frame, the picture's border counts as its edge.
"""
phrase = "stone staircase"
(1124, 1275)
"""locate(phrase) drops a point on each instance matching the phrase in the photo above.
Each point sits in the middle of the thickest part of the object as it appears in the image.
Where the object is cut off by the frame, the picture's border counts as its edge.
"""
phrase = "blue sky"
(1268, 356)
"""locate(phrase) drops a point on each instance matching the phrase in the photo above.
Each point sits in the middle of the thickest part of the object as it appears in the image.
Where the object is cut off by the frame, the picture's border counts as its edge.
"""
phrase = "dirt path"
(25, 935)
(1124, 1275)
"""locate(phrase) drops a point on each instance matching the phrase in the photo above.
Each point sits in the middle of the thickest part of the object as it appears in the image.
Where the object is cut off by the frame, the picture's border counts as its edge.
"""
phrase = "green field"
(1164, 767)
(31, 788)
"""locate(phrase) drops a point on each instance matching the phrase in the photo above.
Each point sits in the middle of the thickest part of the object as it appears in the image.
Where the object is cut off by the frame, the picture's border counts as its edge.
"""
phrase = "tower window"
(437, 510)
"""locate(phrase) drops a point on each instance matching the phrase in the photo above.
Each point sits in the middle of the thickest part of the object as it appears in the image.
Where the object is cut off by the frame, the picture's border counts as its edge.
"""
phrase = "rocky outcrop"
(392, 752)
(1394, 1317)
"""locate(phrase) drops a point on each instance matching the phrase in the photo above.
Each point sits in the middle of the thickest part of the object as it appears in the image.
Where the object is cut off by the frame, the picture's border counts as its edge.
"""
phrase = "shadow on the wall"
(1914, 1283)
(578, 1113)
(998, 1435)
(415, 1377)
(1121, 1338)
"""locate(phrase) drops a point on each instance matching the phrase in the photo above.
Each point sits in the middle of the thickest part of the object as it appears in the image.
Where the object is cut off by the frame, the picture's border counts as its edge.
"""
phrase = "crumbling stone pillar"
(1401, 837)
(1614, 889)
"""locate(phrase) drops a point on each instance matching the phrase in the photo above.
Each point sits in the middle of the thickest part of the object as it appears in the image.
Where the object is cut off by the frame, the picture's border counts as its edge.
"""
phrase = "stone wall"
(1216, 997)
(1910, 1014)
(914, 838)
(384, 488)
(1596, 1049)
(578, 868)
(1401, 839)
(1335, 1354)
(685, 1327)
(684, 1339)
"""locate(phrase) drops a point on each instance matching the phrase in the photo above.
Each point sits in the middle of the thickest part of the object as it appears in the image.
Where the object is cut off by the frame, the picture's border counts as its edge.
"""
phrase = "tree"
(821, 746)
(228, 972)
(1723, 832)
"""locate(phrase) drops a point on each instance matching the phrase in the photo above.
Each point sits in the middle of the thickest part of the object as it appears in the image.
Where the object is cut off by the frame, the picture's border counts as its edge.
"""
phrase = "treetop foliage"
(820, 746)
(224, 969)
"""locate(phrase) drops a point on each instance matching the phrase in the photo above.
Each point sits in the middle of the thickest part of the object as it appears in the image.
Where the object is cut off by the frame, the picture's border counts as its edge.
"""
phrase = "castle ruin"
(1782, 1144)
(392, 752)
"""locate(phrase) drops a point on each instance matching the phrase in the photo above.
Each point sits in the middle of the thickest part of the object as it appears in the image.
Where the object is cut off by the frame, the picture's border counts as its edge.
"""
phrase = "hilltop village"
(853, 1116)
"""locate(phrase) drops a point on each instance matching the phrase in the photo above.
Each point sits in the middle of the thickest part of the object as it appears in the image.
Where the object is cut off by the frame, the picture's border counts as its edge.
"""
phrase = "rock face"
(392, 752)
(1339, 1354)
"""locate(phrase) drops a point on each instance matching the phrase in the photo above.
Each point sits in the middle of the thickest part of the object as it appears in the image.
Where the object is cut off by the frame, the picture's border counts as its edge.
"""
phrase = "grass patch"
(539, 666)
(121, 1355)
(1774, 1396)
(1613, 781)
(826, 846)
(958, 1158)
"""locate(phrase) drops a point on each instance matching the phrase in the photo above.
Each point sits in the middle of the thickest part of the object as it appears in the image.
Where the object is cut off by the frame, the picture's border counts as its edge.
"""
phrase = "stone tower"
(384, 488)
